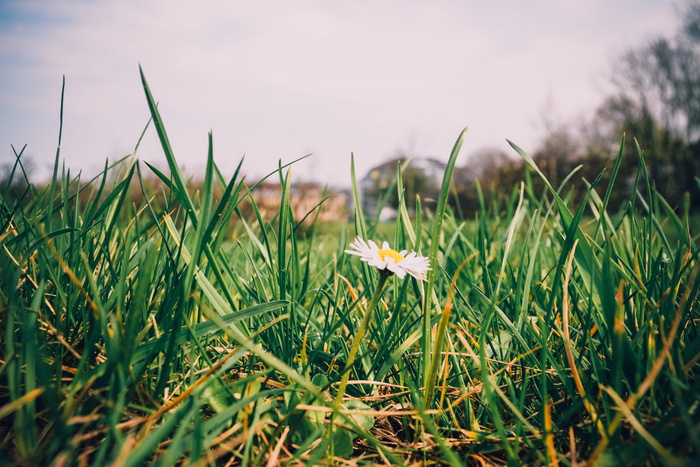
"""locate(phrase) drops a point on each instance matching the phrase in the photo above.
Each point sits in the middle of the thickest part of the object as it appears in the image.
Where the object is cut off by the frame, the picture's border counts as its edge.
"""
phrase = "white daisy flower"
(384, 258)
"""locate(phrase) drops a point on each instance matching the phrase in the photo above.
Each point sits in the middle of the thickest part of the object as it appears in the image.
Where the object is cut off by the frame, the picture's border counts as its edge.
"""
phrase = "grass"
(145, 332)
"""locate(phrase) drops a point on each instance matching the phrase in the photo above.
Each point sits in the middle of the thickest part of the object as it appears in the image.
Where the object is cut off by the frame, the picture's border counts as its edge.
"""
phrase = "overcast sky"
(279, 79)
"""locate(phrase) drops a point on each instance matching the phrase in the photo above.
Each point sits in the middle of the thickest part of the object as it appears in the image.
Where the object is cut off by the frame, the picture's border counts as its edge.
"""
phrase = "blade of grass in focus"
(152, 318)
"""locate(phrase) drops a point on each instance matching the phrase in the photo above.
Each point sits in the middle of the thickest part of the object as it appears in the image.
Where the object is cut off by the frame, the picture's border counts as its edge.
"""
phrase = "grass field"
(147, 333)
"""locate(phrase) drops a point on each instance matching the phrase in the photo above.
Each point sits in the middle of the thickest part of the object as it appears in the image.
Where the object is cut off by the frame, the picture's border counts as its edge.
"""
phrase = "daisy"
(386, 259)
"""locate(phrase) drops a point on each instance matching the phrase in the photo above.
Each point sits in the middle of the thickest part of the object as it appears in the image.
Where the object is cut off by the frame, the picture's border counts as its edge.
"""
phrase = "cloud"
(279, 79)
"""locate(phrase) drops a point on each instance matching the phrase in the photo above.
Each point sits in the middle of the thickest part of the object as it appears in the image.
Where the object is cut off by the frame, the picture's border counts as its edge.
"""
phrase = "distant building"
(421, 176)
(303, 198)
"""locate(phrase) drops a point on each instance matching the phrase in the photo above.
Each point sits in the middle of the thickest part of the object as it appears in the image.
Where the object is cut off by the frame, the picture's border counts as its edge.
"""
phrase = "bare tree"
(657, 102)
(662, 78)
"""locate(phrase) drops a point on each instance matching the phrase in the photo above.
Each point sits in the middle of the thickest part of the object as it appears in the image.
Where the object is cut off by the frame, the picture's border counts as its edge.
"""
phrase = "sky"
(277, 80)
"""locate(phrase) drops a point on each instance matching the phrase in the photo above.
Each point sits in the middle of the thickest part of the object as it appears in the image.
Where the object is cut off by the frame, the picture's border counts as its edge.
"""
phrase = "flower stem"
(361, 331)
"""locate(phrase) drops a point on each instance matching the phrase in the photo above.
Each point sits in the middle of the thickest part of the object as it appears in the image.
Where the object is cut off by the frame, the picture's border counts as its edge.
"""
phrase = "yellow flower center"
(391, 254)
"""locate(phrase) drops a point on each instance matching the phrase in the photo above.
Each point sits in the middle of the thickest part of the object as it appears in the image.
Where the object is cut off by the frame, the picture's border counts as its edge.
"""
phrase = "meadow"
(172, 329)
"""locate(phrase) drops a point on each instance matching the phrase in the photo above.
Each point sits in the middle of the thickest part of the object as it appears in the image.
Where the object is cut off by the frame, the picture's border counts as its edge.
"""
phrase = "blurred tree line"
(14, 176)
(656, 101)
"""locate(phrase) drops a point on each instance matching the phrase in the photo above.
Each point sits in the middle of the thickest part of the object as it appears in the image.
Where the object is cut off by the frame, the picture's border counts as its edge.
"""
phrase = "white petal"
(396, 269)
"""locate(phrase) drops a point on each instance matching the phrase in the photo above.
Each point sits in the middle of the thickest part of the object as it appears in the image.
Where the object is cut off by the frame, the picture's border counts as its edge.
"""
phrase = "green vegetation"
(141, 330)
